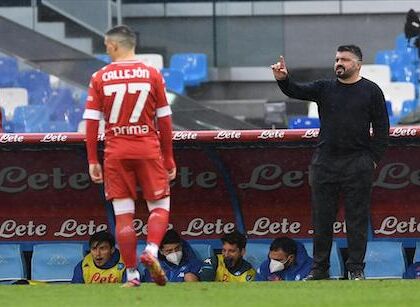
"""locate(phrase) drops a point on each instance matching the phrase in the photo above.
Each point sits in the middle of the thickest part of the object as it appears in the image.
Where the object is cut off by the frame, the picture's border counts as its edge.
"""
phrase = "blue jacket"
(298, 271)
(413, 271)
(175, 273)
(115, 258)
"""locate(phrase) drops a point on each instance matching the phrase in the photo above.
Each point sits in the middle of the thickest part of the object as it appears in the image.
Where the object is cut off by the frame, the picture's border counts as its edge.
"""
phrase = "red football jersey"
(129, 95)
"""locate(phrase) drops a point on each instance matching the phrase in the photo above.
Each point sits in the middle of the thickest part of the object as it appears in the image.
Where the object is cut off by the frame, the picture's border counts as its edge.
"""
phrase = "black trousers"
(330, 176)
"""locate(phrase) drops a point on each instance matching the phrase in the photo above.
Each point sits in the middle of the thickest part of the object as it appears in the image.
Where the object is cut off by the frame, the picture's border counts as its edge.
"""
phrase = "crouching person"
(103, 264)
(177, 259)
(230, 266)
(287, 260)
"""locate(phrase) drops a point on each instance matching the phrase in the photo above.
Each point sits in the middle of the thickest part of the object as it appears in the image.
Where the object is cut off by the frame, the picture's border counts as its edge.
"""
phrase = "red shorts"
(123, 176)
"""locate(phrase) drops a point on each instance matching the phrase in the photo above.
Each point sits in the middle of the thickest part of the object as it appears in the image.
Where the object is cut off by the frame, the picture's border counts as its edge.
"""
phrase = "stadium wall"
(256, 181)
(307, 41)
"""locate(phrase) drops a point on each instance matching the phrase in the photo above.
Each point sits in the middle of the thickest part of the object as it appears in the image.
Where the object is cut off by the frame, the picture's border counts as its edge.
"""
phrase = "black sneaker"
(317, 275)
(356, 275)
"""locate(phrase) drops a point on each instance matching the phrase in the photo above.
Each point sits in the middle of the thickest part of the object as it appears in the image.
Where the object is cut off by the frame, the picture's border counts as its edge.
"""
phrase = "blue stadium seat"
(59, 126)
(31, 118)
(55, 261)
(203, 252)
(303, 122)
(12, 264)
(386, 57)
(8, 71)
(37, 83)
(417, 252)
(256, 253)
(336, 261)
(384, 259)
(389, 107)
(408, 107)
(60, 103)
(192, 65)
(174, 80)
(104, 58)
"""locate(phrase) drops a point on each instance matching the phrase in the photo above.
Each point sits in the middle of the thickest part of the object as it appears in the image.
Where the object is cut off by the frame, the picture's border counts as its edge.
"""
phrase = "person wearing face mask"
(177, 259)
(346, 156)
(103, 264)
(230, 265)
(287, 260)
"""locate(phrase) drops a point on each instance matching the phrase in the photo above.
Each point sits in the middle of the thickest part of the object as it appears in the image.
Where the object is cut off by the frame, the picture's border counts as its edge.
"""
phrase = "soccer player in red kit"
(130, 96)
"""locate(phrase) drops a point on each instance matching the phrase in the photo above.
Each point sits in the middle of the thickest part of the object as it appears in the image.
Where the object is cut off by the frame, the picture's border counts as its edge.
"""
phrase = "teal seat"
(55, 261)
(206, 254)
(256, 253)
(384, 260)
(12, 264)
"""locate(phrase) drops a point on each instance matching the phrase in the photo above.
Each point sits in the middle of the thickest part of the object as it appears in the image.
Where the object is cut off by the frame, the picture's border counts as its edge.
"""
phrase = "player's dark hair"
(288, 245)
(235, 237)
(124, 35)
(353, 49)
(171, 237)
(100, 237)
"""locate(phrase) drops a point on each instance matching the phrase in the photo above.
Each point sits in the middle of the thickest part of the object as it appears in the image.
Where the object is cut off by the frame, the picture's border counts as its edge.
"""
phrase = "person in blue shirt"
(177, 259)
(413, 271)
(103, 264)
(287, 260)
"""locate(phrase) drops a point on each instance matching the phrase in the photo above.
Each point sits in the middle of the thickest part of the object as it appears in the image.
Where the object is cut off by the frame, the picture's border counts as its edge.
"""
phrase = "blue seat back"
(174, 80)
(60, 103)
(8, 71)
(59, 126)
(256, 253)
(31, 118)
(386, 57)
(140, 248)
(192, 65)
(203, 252)
(408, 107)
(303, 122)
(336, 261)
(55, 261)
(37, 83)
(104, 58)
(12, 264)
(389, 107)
(384, 259)
(417, 252)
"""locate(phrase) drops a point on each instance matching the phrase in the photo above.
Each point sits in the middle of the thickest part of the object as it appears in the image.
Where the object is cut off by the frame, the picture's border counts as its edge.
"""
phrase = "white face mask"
(174, 257)
(276, 266)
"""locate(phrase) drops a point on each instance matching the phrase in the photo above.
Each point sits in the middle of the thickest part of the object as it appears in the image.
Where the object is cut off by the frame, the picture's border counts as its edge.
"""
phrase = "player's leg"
(153, 179)
(126, 237)
(120, 186)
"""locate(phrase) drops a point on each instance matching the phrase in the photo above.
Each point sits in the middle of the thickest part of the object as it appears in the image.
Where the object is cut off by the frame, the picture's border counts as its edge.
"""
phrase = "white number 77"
(120, 90)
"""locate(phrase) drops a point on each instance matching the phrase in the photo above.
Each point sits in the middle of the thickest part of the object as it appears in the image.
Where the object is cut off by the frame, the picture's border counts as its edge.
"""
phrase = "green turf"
(321, 293)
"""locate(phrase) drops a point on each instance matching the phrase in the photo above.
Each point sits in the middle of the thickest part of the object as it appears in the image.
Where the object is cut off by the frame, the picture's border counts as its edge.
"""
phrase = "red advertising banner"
(257, 178)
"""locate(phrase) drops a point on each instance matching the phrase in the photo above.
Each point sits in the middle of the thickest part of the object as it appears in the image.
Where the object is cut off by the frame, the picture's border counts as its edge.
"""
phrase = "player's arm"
(193, 270)
(164, 122)
(93, 115)
(78, 274)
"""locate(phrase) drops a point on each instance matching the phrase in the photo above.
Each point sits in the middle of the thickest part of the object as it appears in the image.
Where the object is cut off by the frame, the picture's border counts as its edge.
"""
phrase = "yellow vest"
(245, 273)
(94, 275)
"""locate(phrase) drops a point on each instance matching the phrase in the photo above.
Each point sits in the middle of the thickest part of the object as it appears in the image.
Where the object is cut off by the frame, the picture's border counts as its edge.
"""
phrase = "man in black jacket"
(346, 154)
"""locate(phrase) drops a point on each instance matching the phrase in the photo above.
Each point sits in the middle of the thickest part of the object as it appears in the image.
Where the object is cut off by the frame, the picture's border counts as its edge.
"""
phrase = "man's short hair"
(124, 35)
(353, 49)
(171, 237)
(235, 237)
(100, 237)
(288, 245)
